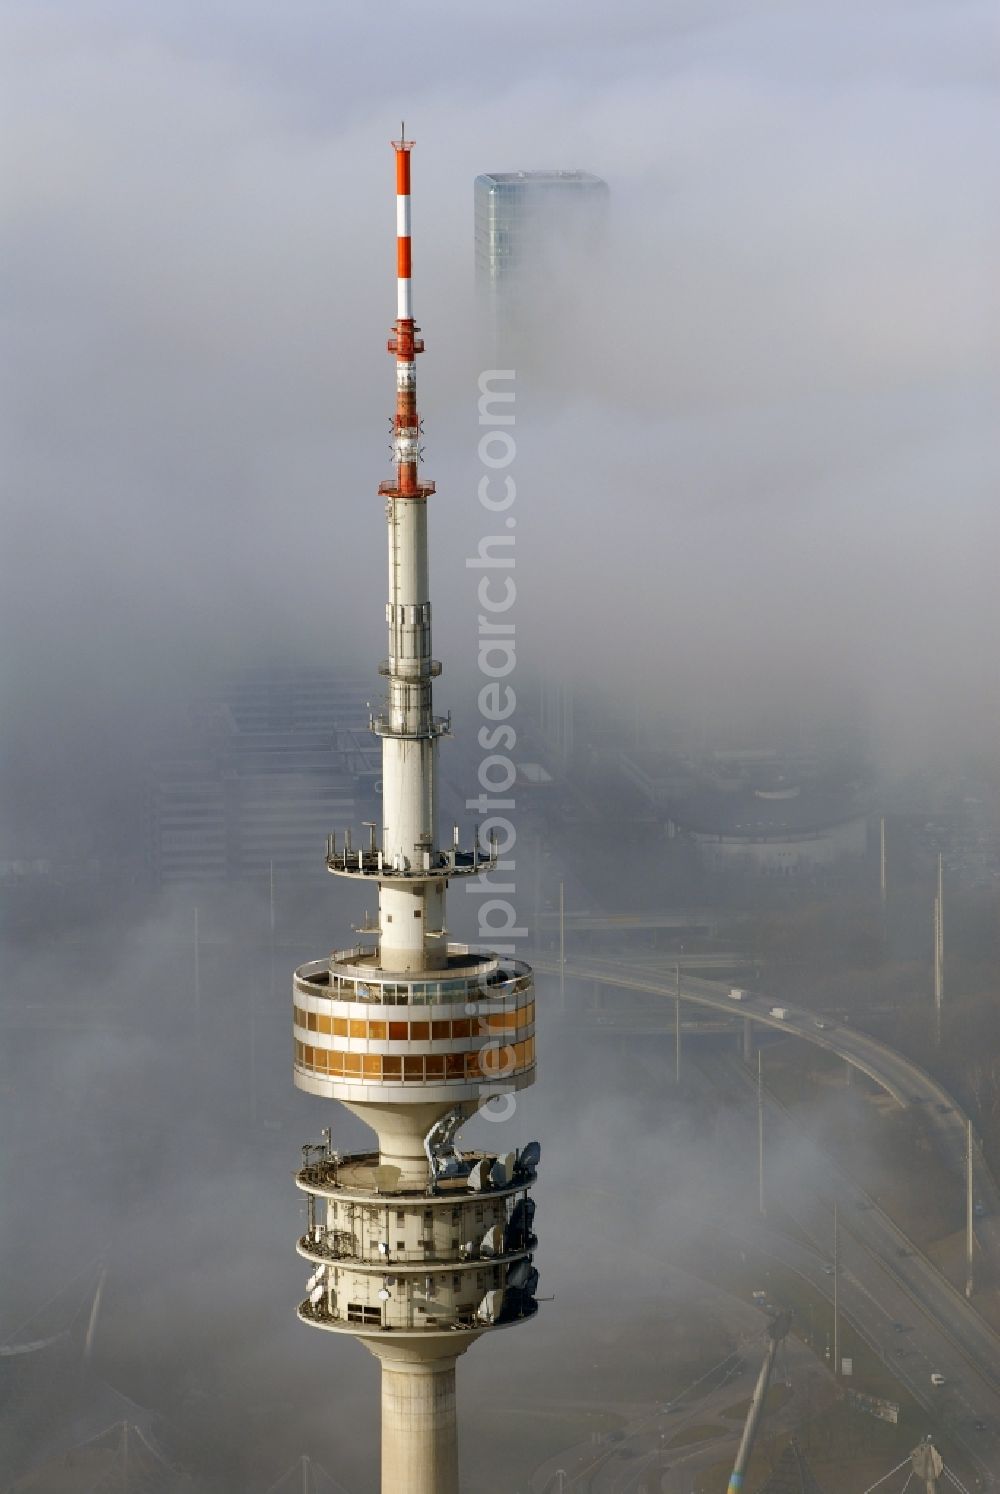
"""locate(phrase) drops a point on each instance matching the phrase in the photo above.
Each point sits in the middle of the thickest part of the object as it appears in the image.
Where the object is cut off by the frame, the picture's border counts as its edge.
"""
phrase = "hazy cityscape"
(671, 377)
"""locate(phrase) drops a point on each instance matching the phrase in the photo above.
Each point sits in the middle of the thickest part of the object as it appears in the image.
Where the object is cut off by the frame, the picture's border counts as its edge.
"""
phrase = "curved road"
(906, 1082)
(883, 1266)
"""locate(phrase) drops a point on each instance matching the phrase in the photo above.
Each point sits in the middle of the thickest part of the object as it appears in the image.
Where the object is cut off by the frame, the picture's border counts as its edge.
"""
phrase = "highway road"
(906, 1082)
(895, 1296)
(886, 1280)
(873, 1296)
(875, 1303)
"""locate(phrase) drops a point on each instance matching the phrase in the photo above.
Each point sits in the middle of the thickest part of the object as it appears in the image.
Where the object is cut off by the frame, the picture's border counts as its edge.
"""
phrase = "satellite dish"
(512, 1300)
(479, 1176)
(503, 1170)
(518, 1273)
(386, 1177)
(523, 1212)
(492, 1242)
(384, 1294)
(517, 1303)
(490, 1308)
(530, 1157)
(518, 1235)
(315, 1295)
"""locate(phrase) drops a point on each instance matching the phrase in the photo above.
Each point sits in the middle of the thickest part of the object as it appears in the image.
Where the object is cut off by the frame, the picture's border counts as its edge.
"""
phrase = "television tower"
(416, 1248)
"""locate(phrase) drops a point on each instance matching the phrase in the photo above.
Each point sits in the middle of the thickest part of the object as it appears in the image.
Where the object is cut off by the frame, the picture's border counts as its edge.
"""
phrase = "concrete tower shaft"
(410, 917)
(416, 1248)
(409, 743)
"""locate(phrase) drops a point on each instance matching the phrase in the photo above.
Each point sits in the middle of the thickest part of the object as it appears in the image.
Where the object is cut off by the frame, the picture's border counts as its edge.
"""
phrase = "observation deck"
(348, 860)
(469, 1031)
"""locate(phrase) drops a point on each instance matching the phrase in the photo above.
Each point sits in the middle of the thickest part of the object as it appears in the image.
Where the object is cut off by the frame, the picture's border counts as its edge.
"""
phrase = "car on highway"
(827, 1270)
(937, 1380)
(821, 1025)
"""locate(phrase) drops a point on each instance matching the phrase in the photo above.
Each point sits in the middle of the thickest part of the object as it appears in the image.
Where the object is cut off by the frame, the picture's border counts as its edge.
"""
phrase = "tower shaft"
(419, 1426)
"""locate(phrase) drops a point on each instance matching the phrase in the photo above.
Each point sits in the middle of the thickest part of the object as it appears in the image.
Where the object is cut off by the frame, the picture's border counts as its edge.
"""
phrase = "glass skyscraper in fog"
(529, 226)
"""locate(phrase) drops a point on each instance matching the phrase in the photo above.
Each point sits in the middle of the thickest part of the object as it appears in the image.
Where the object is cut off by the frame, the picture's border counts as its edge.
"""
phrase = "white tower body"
(415, 1248)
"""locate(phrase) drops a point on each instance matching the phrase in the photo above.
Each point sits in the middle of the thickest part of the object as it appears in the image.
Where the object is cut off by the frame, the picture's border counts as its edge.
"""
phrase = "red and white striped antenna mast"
(405, 344)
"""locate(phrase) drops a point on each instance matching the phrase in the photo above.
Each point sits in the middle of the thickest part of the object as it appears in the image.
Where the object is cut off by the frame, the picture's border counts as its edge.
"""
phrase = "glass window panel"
(376, 1030)
(420, 1031)
(460, 1028)
(372, 1066)
(392, 1068)
(497, 1063)
(413, 1068)
(399, 1032)
(440, 1030)
(434, 1066)
(358, 1029)
(352, 1063)
(340, 1026)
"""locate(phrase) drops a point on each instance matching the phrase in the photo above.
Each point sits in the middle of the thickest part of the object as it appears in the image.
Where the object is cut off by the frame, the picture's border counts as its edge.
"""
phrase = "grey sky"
(770, 446)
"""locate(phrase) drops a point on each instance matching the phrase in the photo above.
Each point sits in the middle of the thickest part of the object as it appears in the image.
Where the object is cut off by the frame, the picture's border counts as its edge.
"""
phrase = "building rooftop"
(791, 808)
(540, 178)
